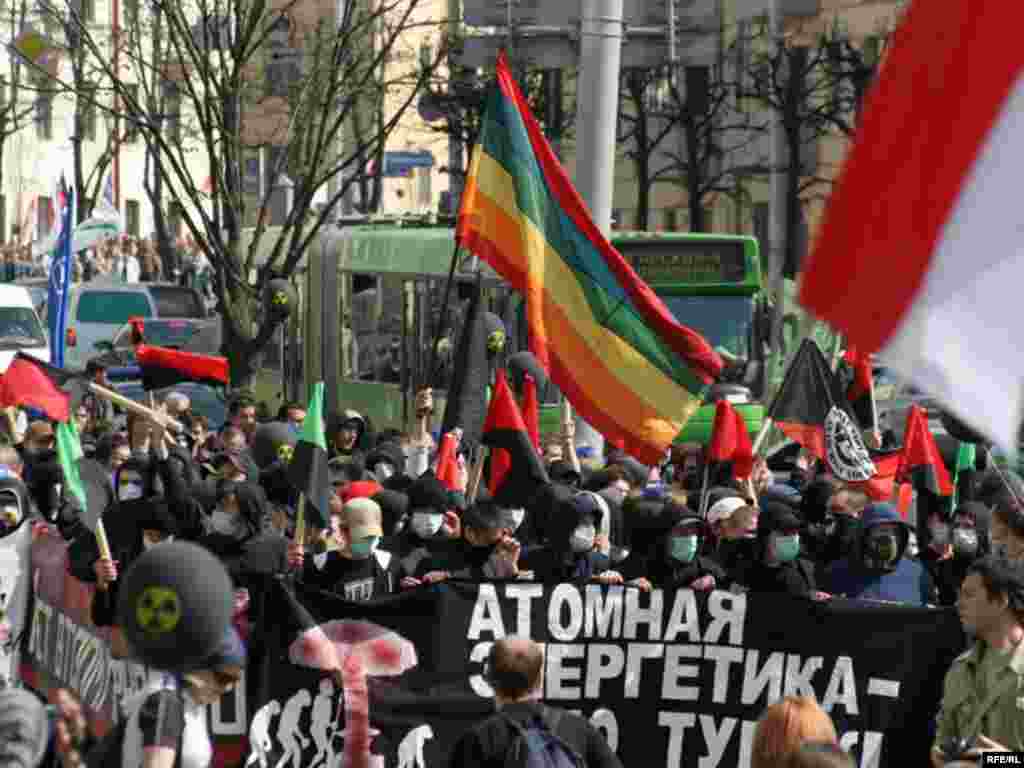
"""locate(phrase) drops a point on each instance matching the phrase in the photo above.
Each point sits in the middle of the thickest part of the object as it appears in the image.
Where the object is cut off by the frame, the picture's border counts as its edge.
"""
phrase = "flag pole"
(475, 475)
(102, 542)
(442, 321)
(300, 522)
(705, 491)
(766, 427)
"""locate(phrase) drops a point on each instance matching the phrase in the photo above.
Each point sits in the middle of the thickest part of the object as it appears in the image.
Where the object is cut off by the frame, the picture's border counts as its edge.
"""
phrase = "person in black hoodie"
(665, 550)
(349, 436)
(779, 567)
(234, 533)
(570, 553)
(151, 524)
(951, 545)
(426, 529)
(486, 550)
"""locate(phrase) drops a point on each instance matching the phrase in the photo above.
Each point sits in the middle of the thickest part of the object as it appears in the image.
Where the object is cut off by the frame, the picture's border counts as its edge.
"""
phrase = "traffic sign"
(401, 163)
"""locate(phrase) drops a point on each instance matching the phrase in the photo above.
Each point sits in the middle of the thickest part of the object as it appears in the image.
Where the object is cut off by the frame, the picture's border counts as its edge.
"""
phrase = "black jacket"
(486, 745)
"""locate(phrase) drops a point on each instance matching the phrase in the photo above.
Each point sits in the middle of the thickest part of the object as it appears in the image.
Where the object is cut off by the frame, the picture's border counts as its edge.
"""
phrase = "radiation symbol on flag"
(285, 452)
(845, 451)
(158, 610)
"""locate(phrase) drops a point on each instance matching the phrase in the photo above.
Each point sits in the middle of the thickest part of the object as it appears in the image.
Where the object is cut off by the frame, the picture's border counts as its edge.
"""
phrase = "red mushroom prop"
(358, 650)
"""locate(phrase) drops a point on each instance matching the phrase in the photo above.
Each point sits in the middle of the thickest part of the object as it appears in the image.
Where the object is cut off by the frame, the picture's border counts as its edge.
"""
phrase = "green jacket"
(959, 714)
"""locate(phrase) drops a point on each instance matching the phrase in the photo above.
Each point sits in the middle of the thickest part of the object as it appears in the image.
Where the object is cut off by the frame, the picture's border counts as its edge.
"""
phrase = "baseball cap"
(363, 518)
(359, 489)
(37, 430)
(723, 509)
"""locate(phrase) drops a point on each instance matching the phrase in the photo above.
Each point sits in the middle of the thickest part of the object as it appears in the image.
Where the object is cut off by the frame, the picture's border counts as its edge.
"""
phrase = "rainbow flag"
(608, 342)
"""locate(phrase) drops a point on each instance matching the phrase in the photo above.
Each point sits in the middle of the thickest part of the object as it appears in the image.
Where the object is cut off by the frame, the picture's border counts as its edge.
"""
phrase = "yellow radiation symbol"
(158, 610)
(280, 299)
(284, 452)
(496, 341)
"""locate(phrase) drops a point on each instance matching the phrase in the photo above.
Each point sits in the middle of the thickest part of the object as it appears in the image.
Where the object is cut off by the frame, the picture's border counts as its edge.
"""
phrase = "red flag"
(163, 367)
(859, 390)
(531, 410)
(447, 463)
(516, 468)
(881, 485)
(730, 440)
(34, 384)
(922, 462)
(905, 498)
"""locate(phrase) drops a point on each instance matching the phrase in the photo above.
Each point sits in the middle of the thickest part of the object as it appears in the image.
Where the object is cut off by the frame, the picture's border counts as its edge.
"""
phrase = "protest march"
(587, 545)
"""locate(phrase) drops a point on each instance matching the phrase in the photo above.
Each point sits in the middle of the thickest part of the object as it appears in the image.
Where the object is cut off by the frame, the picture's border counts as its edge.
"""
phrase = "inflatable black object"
(175, 604)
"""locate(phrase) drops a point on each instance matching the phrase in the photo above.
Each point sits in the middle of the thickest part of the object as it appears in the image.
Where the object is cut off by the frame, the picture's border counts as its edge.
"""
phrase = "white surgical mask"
(224, 523)
(426, 524)
(582, 539)
(517, 518)
(130, 491)
(383, 471)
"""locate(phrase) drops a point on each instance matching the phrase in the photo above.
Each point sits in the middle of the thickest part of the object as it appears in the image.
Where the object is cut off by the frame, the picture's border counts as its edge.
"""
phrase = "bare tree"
(795, 82)
(459, 100)
(284, 81)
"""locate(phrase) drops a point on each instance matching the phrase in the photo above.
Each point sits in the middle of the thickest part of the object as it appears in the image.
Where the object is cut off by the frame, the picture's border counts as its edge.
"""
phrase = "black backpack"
(537, 745)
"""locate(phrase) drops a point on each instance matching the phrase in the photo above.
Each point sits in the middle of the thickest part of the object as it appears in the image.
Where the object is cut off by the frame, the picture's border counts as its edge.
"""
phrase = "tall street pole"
(597, 112)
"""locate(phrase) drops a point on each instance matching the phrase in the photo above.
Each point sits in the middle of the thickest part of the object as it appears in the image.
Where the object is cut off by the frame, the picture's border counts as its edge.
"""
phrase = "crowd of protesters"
(394, 525)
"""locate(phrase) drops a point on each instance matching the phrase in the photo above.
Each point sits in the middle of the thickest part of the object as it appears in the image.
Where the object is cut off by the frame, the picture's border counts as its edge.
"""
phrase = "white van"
(20, 329)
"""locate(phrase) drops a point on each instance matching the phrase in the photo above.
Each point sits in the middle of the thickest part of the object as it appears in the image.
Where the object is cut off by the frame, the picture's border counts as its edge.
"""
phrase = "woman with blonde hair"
(785, 726)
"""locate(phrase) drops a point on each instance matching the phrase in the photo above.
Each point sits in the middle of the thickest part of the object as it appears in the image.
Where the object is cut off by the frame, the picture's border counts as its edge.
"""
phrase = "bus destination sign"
(680, 261)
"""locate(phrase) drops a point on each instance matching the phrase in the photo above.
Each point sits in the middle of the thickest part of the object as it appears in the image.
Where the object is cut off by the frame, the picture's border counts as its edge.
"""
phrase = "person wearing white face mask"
(427, 528)
(358, 570)
(571, 553)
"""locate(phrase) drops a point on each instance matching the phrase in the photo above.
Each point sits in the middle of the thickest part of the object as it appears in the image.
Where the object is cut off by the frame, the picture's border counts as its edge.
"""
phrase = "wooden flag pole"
(766, 427)
(102, 542)
(300, 522)
(476, 473)
(705, 491)
(137, 408)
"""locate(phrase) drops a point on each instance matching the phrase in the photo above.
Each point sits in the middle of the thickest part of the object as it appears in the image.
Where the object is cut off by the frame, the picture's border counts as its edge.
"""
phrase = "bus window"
(724, 321)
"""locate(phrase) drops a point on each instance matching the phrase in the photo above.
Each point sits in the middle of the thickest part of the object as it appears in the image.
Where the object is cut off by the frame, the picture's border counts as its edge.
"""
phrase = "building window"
(88, 111)
(3, 218)
(131, 217)
(131, 12)
(131, 132)
(172, 112)
(44, 116)
(44, 216)
(424, 190)
(86, 11)
(174, 218)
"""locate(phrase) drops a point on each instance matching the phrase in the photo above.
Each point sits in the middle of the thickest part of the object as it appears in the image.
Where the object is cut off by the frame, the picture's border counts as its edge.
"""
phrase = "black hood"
(393, 508)
(569, 514)
(544, 507)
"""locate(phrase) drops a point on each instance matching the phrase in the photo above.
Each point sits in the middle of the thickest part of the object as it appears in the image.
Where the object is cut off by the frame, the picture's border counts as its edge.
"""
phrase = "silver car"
(99, 308)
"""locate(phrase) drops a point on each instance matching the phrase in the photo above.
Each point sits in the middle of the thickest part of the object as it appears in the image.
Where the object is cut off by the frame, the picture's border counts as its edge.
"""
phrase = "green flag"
(307, 471)
(966, 455)
(69, 453)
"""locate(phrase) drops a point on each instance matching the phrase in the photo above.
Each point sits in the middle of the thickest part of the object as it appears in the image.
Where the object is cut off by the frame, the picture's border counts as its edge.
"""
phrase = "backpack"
(536, 745)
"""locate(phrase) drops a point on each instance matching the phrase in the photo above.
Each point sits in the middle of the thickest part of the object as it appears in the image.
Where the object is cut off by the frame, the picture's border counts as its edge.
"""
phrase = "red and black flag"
(882, 485)
(730, 441)
(531, 410)
(448, 463)
(162, 367)
(516, 468)
(811, 409)
(307, 471)
(29, 382)
(860, 380)
(921, 462)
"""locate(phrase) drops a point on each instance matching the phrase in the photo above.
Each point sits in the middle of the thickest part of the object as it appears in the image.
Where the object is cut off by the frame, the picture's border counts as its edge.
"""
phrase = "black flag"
(467, 394)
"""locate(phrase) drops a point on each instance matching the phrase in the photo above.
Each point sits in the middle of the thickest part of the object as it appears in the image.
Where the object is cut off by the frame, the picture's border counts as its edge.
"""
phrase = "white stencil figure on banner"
(289, 734)
(14, 593)
(410, 751)
(323, 724)
(260, 743)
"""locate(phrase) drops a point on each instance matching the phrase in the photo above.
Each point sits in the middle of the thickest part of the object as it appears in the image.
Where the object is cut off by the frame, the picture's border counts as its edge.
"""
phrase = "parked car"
(99, 308)
(206, 400)
(20, 327)
(39, 290)
(201, 337)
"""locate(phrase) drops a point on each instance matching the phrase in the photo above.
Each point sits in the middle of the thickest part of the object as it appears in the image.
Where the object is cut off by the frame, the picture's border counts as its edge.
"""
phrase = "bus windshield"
(723, 320)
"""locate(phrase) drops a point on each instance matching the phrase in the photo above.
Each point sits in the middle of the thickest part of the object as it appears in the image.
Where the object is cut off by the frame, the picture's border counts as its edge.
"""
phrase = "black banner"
(670, 676)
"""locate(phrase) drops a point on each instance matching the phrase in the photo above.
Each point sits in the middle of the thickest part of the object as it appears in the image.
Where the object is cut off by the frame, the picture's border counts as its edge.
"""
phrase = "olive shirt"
(974, 677)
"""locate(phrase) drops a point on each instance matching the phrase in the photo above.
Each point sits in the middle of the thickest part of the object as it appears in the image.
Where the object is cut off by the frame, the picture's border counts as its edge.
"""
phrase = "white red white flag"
(921, 252)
